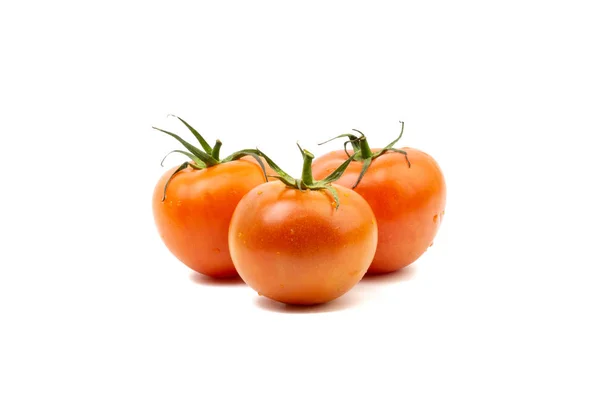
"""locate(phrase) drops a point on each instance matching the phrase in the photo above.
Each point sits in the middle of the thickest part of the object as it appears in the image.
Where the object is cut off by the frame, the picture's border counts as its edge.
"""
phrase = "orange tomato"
(409, 203)
(294, 247)
(193, 220)
(193, 204)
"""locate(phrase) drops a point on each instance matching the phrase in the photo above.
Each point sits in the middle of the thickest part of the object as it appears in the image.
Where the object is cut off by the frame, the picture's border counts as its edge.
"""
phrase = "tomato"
(409, 202)
(295, 247)
(193, 221)
(193, 204)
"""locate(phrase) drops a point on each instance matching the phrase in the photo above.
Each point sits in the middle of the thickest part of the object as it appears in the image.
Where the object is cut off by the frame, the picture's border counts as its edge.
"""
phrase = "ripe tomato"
(193, 221)
(295, 247)
(193, 204)
(409, 202)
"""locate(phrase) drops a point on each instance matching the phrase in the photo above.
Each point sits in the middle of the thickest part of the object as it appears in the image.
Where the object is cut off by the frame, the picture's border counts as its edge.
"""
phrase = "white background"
(504, 95)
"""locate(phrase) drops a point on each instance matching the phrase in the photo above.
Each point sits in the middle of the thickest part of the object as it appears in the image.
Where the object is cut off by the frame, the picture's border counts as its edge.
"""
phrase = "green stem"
(216, 149)
(307, 176)
(365, 150)
(307, 181)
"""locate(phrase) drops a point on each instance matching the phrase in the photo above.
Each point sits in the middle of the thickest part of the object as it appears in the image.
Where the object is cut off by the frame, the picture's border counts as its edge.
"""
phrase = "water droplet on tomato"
(435, 218)
(216, 250)
(259, 192)
(431, 244)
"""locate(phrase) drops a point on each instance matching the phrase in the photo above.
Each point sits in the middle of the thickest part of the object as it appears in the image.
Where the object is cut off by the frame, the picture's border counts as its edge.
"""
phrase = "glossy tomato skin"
(409, 203)
(294, 247)
(193, 220)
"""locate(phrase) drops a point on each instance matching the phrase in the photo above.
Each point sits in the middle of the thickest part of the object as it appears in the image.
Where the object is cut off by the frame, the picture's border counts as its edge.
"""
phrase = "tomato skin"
(269, 171)
(409, 203)
(193, 220)
(294, 247)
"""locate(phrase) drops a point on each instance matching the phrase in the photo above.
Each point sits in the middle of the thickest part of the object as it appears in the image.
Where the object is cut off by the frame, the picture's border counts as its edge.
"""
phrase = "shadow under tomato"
(403, 274)
(348, 300)
(209, 281)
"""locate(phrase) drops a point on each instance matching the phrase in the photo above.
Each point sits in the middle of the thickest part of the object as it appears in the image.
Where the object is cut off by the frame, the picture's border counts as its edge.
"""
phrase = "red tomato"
(301, 241)
(409, 203)
(193, 220)
(294, 247)
(193, 203)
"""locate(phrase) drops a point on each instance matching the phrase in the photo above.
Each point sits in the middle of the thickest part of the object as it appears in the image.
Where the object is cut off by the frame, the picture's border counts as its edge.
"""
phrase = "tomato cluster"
(306, 240)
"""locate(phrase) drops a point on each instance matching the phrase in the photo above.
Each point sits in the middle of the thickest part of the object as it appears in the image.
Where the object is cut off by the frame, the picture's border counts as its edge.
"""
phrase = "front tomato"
(295, 247)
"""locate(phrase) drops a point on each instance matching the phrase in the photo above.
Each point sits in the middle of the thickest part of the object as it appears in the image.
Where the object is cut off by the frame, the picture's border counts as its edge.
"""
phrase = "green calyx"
(363, 152)
(207, 156)
(307, 182)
